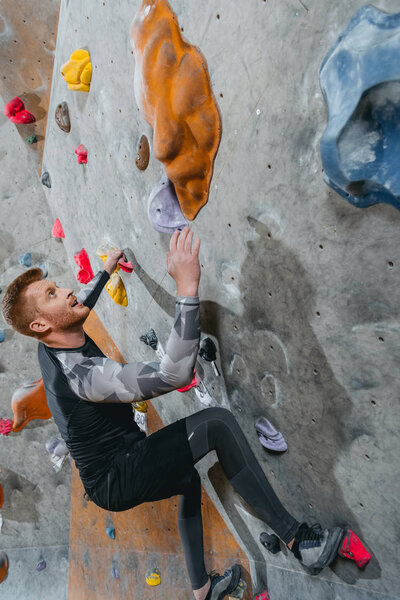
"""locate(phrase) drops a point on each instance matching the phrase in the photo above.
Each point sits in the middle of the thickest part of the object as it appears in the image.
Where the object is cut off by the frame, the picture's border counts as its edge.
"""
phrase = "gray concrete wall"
(296, 286)
(36, 499)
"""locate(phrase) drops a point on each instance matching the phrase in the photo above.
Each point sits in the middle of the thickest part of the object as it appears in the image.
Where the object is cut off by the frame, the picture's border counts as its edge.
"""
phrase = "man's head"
(37, 307)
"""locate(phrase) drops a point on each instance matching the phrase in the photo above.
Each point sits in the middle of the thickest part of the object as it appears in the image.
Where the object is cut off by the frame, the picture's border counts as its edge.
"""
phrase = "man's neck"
(71, 338)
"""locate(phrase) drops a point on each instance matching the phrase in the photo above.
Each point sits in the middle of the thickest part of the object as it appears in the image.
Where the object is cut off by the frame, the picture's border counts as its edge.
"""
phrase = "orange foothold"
(29, 402)
(3, 566)
(173, 90)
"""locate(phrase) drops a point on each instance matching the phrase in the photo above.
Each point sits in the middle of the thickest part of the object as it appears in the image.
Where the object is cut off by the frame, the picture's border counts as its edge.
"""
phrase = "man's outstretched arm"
(91, 292)
(101, 379)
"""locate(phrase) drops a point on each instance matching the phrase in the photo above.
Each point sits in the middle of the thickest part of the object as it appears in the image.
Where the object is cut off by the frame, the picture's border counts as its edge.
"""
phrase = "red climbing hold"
(192, 384)
(57, 231)
(85, 273)
(353, 548)
(5, 426)
(125, 266)
(15, 111)
(262, 596)
(81, 152)
(13, 107)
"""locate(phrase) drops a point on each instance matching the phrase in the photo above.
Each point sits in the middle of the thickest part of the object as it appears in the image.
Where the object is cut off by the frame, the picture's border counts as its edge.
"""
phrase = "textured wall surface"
(36, 498)
(298, 287)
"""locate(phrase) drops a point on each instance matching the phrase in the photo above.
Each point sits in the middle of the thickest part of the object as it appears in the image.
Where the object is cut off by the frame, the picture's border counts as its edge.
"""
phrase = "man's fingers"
(173, 241)
(182, 238)
(188, 241)
(196, 246)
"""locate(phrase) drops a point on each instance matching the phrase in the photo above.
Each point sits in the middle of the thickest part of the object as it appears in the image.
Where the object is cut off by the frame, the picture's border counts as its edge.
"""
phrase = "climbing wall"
(298, 287)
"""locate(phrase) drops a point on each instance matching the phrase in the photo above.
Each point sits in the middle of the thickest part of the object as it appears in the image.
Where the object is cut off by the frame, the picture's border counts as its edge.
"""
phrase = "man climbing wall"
(90, 398)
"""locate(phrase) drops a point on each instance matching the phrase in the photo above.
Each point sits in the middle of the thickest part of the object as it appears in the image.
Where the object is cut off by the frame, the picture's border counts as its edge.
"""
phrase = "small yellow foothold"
(115, 287)
(153, 577)
(77, 71)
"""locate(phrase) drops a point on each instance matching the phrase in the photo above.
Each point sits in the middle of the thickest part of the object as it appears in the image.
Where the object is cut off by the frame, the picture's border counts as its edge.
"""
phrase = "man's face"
(56, 306)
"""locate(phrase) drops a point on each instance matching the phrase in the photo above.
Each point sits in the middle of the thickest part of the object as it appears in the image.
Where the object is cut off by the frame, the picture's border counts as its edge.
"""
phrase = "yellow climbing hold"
(77, 71)
(153, 577)
(115, 287)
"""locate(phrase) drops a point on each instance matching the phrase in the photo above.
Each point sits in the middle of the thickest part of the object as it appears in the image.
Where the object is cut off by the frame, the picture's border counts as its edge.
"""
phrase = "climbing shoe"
(315, 547)
(223, 585)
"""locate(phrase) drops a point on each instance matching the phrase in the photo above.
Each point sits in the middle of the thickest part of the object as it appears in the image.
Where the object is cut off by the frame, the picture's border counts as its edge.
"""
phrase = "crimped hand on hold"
(112, 260)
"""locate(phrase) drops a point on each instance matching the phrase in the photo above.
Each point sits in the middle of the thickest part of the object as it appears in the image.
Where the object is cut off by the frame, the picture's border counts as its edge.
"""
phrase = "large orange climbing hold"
(29, 402)
(173, 90)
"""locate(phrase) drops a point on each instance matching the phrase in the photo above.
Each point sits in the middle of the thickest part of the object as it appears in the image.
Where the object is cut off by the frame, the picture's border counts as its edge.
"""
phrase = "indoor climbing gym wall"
(271, 127)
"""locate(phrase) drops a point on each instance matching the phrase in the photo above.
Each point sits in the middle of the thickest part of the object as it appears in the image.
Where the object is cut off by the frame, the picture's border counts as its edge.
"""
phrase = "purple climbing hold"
(25, 259)
(41, 565)
(110, 531)
(269, 437)
(56, 446)
(163, 209)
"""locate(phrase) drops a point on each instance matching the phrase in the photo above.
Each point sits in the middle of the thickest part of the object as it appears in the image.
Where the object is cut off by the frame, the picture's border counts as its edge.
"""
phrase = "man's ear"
(39, 326)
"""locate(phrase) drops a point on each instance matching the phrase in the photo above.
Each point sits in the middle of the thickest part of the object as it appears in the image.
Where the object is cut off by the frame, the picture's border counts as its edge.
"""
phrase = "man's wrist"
(187, 291)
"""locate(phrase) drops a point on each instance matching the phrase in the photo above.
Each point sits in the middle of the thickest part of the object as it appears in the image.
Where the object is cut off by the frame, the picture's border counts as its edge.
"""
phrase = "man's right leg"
(217, 429)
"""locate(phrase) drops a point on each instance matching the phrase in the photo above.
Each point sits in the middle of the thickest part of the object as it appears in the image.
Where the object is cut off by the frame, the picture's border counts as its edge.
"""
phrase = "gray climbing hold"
(163, 209)
(62, 117)
(2, 335)
(25, 259)
(32, 139)
(115, 572)
(46, 179)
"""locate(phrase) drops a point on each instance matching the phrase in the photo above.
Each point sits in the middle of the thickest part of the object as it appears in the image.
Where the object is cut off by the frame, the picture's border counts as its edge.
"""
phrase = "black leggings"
(217, 429)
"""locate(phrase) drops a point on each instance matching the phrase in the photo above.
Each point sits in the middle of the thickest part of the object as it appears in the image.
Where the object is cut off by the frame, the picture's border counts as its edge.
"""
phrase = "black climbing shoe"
(223, 585)
(315, 547)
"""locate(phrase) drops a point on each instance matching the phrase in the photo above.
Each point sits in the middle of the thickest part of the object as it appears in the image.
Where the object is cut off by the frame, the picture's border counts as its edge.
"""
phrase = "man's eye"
(51, 292)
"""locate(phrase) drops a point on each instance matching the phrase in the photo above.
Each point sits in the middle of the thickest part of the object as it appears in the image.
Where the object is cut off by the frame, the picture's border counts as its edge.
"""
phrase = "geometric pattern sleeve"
(91, 292)
(100, 379)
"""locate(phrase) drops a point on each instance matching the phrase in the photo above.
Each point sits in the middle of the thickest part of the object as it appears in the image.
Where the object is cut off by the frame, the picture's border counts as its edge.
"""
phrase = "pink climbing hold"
(262, 596)
(85, 273)
(15, 111)
(5, 426)
(57, 231)
(192, 384)
(353, 548)
(81, 152)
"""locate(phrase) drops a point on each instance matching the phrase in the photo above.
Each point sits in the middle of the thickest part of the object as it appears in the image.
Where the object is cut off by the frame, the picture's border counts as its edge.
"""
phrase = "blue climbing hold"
(110, 531)
(2, 335)
(360, 79)
(25, 259)
(44, 269)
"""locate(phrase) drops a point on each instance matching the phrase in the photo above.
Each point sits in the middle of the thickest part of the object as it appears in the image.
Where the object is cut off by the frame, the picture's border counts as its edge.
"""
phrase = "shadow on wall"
(271, 359)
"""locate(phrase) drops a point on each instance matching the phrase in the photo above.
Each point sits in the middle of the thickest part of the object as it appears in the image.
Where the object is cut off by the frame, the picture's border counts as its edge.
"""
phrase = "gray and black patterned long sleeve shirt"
(90, 395)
